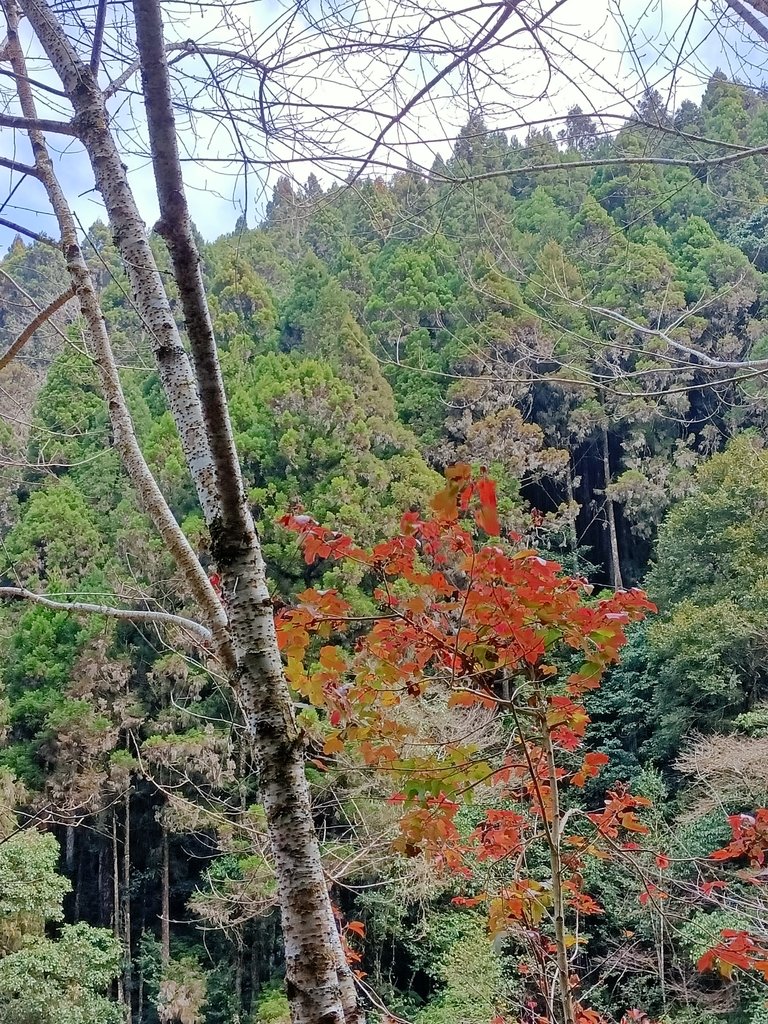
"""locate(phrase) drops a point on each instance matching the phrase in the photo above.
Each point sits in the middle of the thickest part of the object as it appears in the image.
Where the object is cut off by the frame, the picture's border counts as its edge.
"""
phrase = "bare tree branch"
(506, 13)
(127, 614)
(16, 165)
(191, 48)
(700, 164)
(98, 36)
(34, 325)
(663, 335)
(122, 425)
(31, 81)
(111, 178)
(749, 18)
(13, 226)
(38, 124)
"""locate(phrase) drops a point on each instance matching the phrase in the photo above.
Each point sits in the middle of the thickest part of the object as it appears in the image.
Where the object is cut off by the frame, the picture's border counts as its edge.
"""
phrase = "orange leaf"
(333, 745)
(331, 660)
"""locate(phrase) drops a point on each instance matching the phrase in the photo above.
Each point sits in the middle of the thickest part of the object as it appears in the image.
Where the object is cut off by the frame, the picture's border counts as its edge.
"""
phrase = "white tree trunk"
(610, 516)
(130, 236)
(123, 432)
(320, 985)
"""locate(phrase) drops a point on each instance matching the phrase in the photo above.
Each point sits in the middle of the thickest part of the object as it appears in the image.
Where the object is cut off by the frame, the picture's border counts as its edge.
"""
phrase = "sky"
(606, 52)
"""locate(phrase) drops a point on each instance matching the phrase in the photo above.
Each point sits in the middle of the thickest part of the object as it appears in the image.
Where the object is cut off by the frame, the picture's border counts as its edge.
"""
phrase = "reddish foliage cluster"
(750, 838)
(464, 624)
(738, 949)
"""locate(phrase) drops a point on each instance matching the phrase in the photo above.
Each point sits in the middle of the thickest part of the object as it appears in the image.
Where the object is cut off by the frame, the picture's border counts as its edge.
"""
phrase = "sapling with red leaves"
(466, 623)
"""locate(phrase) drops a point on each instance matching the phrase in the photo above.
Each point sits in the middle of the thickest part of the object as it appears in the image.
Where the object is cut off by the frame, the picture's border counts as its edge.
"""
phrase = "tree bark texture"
(130, 236)
(319, 982)
(123, 432)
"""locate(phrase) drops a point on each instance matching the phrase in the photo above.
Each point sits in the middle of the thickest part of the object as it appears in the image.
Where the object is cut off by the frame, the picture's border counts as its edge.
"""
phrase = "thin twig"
(98, 36)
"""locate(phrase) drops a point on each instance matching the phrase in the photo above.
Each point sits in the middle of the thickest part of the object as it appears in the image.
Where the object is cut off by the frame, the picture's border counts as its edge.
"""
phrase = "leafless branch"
(34, 325)
(127, 614)
(20, 168)
(697, 165)
(39, 124)
(98, 36)
(663, 335)
(747, 16)
(13, 226)
(32, 81)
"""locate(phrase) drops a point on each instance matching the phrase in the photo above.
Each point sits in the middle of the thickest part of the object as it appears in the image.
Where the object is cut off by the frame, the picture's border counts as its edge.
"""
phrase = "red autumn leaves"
(477, 625)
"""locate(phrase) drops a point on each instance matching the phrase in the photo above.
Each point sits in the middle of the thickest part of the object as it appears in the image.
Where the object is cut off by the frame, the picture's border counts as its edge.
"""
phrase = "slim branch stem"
(34, 325)
(127, 614)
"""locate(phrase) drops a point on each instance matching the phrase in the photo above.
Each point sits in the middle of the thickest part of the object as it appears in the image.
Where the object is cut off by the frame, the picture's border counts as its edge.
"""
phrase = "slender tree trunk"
(239, 967)
(69, 857)
(319, 983)
(165, 903)
(610, 516)
(256, 947)
(556, 869)
(78, 884)
(122, 427)
(127, 963)
(92, 123)
(573, 536)
(105, 916)
(116, 900)
(140, 984)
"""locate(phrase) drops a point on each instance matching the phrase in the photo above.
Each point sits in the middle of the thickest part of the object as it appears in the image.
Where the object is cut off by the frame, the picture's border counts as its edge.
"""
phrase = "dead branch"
(126, 614)
(34, 325)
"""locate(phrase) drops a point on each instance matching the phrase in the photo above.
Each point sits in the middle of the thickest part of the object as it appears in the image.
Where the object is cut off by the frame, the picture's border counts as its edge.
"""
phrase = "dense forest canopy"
(500, 425)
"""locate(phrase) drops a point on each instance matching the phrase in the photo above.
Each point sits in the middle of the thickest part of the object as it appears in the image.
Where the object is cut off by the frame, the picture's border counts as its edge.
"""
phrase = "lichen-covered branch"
(136, 615)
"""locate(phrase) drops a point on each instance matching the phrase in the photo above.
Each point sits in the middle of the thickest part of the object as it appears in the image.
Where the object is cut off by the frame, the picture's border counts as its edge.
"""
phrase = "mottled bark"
(320, 985)
(319, 982)
(100, 348)
(130, 236)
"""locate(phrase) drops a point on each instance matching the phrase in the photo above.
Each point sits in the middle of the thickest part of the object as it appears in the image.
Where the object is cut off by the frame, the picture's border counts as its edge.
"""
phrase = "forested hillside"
(591, 337)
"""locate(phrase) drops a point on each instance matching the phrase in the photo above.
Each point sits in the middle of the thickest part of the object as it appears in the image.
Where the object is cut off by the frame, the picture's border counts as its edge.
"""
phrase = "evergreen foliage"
(370, 337)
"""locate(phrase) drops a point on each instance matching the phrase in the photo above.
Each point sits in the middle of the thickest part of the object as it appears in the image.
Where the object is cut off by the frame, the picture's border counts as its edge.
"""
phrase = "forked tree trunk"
(320, 985)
